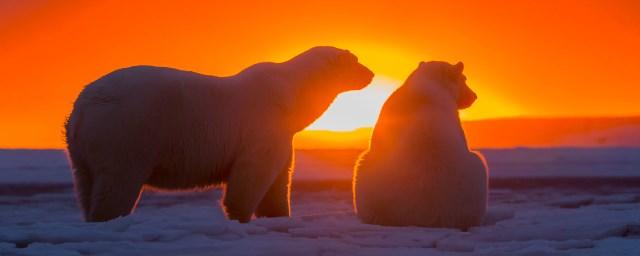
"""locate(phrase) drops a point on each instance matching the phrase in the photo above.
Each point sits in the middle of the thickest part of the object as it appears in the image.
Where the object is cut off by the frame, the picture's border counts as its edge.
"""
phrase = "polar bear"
(418, 170)
(169, 129)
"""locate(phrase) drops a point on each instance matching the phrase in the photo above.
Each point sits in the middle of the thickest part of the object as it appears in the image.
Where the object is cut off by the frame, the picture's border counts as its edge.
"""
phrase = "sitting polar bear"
(418, 170)
(177, 130)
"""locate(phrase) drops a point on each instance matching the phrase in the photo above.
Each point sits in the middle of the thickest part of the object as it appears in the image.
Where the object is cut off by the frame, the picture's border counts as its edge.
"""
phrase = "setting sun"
(356, 109)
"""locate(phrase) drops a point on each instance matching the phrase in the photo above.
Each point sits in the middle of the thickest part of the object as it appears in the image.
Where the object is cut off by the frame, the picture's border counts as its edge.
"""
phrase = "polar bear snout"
(359, 77)
(467, 98)
(352, 75)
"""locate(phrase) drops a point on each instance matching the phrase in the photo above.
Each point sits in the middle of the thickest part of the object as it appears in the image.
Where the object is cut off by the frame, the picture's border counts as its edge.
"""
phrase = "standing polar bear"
(178, 130)
(418, 170)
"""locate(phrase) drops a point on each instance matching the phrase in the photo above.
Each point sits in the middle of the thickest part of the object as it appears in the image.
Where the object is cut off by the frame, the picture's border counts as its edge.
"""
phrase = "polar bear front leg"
(251, 178)
(276, 203)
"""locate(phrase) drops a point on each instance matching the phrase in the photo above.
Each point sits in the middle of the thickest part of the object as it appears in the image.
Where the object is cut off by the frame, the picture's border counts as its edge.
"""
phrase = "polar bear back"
(165, 109)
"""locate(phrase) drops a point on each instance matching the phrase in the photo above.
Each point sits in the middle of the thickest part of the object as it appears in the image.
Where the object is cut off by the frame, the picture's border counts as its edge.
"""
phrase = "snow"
(51, 166)
(34, 166)
(39, 216)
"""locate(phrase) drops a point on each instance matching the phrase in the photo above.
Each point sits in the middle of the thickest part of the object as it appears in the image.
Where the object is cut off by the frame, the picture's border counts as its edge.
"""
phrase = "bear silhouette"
(418, 170)
(169, 129)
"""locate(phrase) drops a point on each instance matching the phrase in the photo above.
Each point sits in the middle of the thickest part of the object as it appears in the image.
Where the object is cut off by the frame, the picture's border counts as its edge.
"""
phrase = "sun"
(356, 109)
(360, 109)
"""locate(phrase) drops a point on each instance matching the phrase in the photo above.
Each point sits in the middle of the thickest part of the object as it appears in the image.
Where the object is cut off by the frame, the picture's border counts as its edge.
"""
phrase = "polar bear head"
(317, 76)
(440, 80)
(331, 69)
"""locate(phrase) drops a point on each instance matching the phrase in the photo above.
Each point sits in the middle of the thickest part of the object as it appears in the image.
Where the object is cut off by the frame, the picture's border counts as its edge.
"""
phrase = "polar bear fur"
(418, 170)
(175, 130)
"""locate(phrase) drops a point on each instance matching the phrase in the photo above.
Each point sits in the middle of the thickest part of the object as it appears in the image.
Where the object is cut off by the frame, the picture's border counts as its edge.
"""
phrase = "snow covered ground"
(592, 208)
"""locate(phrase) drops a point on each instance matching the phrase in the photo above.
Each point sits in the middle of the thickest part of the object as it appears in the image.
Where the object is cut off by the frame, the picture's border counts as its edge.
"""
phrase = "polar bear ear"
(458, 67)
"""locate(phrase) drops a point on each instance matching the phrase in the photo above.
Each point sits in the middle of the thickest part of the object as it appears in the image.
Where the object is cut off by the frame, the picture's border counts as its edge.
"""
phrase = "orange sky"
(523, 58)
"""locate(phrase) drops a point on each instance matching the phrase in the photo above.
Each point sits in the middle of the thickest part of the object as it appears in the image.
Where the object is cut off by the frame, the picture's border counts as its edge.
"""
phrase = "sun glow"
(356, 109)
(360, 109)
(489, 105)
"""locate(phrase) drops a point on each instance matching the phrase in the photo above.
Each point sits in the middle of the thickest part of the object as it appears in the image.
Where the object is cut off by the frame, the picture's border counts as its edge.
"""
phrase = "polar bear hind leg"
(114, 196)
(82, 183)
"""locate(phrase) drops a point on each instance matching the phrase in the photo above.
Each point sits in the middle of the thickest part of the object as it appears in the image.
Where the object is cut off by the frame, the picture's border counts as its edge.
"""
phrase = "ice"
(613, 246)
(496, 214)
(36, 167)
(193, 224)
(33, 167)
(42, 218)
(572, 201)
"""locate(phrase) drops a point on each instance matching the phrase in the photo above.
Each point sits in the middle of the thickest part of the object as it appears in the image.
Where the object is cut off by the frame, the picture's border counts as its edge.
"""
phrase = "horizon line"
(497, 119)
(524, 117)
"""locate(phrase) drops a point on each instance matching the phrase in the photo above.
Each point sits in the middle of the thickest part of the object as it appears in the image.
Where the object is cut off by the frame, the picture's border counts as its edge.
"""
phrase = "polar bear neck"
(300, 92)
(315, 91)
(320, 74)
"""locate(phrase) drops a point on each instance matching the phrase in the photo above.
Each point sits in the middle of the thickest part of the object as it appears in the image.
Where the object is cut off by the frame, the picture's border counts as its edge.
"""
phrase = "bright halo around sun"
(356, 109)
